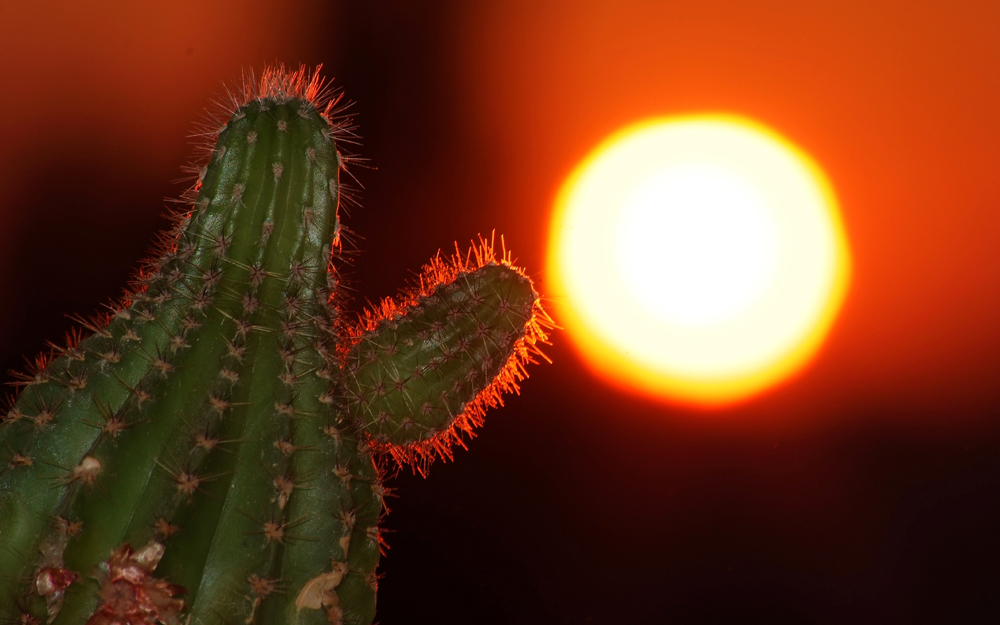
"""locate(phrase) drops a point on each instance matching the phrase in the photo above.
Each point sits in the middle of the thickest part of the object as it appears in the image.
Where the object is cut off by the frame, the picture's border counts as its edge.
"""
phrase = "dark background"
(865, 490)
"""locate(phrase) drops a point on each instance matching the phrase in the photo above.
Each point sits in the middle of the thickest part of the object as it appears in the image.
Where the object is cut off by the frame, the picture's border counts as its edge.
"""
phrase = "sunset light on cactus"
(325, 312)
(215, 446)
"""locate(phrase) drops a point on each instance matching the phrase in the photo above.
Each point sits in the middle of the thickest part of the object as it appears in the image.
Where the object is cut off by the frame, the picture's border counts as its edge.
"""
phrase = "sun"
(700, 259)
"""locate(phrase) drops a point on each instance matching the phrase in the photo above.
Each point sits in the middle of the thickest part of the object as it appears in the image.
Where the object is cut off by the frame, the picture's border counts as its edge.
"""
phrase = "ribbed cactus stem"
(208, 450)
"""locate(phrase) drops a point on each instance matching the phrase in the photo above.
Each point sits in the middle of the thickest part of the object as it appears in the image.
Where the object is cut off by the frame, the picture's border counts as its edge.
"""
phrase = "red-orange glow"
(439, 271)
(698, 259)
(902, 120)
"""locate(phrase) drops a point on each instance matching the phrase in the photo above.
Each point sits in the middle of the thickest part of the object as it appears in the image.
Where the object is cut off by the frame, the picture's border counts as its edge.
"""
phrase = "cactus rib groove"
(213, 449)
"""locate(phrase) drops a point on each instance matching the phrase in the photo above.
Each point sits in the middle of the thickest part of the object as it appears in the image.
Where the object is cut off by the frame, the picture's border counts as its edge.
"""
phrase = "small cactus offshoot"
(212, 450)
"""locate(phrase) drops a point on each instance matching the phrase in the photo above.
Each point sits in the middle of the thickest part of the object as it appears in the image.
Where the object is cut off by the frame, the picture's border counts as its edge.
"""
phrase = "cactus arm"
(422, 373)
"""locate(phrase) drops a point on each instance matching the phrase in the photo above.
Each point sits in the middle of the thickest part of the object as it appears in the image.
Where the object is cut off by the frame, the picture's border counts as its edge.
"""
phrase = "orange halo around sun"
(700, 259)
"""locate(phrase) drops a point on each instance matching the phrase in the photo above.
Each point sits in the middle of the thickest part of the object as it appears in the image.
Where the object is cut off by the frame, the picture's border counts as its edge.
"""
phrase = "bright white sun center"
(696, 244)
(700, 259)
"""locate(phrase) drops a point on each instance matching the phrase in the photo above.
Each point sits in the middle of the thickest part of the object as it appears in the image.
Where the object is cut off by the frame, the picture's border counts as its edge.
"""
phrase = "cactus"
(213, 449)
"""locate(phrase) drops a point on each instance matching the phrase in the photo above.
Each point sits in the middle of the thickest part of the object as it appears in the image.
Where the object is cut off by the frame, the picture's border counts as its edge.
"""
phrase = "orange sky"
(899, 107)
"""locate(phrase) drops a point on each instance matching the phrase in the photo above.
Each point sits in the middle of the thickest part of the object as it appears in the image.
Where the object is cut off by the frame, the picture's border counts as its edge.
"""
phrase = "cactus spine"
(212, 450)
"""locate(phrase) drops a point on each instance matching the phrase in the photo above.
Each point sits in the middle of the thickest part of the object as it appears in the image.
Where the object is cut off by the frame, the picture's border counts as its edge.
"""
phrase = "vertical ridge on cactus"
(213, 449)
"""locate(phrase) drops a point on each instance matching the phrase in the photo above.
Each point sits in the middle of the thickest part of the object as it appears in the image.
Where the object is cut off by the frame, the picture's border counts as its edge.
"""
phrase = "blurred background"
(864, 490)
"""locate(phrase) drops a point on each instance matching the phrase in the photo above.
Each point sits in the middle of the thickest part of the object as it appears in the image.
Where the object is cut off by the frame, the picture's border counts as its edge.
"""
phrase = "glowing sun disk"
(701, 258)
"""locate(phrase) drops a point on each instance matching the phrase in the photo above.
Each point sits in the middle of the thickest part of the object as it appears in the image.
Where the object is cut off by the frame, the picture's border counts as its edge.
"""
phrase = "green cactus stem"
(213, 449)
